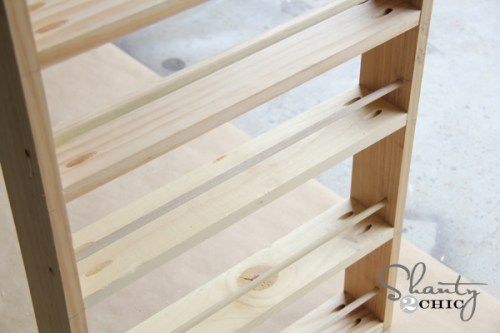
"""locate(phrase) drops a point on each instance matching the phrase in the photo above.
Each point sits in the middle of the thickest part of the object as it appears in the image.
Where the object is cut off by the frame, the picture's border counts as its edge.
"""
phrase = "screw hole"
(367, 228)
(346, 215)
(338, 308)
(357, 321)
(355, 99)
(387, 11)
(373, 114)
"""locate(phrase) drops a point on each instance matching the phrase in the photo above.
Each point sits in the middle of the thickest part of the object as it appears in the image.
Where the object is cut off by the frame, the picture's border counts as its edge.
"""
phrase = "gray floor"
(452, 209)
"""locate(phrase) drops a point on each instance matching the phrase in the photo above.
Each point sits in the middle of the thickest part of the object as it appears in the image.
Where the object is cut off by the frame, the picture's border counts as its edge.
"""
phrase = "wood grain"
(31, 176)
(381, 171)
(133, 139)
(65, 28)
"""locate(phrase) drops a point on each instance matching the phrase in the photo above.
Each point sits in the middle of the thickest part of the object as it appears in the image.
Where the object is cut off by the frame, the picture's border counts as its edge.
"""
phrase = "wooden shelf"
(135, 138)
(280, 290)
(65, 28)
(134, 240)
(342, 313)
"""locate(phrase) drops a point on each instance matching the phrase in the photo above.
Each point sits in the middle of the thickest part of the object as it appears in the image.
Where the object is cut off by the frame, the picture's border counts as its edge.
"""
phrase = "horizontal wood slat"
(168, 234)
(280, 290)
(117, 147)
(65, 28)
(230, 164)
(204, 68)
(329, 314)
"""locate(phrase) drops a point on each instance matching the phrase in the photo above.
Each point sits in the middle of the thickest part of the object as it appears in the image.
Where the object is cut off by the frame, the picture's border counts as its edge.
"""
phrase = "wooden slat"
(189, 186)
(328, 315)
(382, 170)
(65, 28)
(204, 68)
(29, 165)
(137, 137)
(341, 224)
(169, 234)
(278, 291)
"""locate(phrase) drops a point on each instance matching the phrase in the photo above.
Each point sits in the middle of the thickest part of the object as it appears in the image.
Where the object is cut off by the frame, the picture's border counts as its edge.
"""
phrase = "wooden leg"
(381, 171)
(29, 164)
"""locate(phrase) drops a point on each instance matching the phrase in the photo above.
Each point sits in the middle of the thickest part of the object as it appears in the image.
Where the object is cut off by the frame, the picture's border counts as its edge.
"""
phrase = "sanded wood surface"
(171, 233)
(287, 285)
(65, 28)
(121, 145)
(162, 287)
(27, 156)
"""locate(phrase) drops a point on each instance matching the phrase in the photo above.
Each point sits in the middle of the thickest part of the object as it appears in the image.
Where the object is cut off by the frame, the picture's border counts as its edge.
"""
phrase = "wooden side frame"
(382, 170)
(32, 179)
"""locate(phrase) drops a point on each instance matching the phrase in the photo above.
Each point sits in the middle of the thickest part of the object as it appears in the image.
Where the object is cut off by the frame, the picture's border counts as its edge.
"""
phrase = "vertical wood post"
(381, 171)
(28, 160)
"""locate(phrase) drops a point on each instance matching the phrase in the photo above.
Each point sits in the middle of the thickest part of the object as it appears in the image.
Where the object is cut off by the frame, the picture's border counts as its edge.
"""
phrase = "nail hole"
(373, 114)
(355, 99)
(357, 321)
(36, 6)
(346, 215)
(253, 273)
(51, 270)
(338, 308)
(387, 11)
(27, 153)
(80, 159)
(367, 228)
(98, 268)
(51, 26)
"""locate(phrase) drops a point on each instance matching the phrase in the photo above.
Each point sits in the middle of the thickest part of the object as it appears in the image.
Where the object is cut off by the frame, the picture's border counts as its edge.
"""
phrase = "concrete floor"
(452, 208)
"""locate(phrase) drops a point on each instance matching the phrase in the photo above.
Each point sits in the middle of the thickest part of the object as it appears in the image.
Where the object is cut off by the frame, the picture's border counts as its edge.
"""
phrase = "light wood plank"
(137, 137)
(381, 171)
(329, 315)
(343, 223)
(168, 235)
(280, 290)
(204, 68)
(65, 28)
(191, 185)
(32, 180)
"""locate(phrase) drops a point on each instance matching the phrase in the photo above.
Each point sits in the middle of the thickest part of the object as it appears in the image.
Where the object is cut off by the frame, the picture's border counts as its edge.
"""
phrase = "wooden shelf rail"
(64, 29)
(232, 163)
(167, 235)
(323, 318)
(281, 289)
(135, 138)
(374, 123)
(205, 68)
(343, 223)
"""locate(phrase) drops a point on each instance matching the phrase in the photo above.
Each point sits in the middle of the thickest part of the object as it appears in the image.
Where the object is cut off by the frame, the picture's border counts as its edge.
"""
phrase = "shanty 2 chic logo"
(457, 295)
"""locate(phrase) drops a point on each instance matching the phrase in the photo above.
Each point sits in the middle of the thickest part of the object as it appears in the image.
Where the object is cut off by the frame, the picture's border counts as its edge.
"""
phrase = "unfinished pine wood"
(280, 290)
(204, 68)
(329, 314)
(168, 235)
(31, 175)
(65, 28)
(381, 171)
(137, 137)
(135, 215)
(343, 223)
